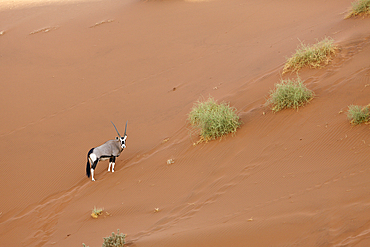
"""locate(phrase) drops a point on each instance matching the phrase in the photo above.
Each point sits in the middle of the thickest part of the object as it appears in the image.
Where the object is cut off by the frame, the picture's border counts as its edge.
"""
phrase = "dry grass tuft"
(289, 93)
(314, 56)
(358, 114)
(360, 7)
(213, 120)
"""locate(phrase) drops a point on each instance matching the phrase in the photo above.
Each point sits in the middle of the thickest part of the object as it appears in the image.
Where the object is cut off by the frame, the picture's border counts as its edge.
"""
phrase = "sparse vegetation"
(360, 7)
(96, 212)
(358, 114)
(290, 93)
(116, 240)
(314, 56)
(214, 120)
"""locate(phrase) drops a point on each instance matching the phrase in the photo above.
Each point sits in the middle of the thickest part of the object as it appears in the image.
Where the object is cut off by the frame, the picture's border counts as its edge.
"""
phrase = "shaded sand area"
(294, 178)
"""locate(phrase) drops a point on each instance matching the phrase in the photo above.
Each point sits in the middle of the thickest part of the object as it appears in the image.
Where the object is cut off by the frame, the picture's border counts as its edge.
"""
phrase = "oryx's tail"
(88, 167)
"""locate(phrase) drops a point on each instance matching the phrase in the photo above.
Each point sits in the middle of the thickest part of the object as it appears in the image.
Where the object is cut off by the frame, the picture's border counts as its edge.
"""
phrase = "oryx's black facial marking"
(123, 141)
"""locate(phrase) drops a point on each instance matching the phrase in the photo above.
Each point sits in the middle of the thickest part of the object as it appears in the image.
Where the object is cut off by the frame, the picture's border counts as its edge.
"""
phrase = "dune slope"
(286, 179)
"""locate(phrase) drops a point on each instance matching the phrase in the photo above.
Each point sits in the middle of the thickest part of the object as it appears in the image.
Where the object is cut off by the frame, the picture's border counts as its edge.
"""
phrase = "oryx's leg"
(94, 161)
(112, 161)
(92, 175)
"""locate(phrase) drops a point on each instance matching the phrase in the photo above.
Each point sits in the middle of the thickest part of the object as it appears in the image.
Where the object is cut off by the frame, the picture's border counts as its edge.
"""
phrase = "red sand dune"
(294, 178)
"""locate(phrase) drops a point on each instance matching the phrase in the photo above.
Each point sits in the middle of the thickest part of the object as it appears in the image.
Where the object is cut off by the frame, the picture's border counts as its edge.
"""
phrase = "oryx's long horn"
(126, 127)
(117, 130)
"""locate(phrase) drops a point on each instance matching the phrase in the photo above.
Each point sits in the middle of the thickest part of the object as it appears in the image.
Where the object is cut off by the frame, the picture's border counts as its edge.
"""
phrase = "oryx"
(109, 150)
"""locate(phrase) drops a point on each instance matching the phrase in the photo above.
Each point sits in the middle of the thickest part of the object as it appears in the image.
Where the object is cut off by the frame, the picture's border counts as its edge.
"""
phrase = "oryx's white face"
(122, 141)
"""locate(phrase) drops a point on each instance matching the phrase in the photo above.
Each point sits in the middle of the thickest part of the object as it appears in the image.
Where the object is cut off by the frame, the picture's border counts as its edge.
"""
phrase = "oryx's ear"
(117, 138)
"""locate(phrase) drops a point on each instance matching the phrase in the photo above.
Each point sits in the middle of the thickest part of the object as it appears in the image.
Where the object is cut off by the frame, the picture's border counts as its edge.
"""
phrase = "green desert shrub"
(213, 120)
(116, 240)
(290, 93)
(360, 7)
(358, 114)
(314, 56)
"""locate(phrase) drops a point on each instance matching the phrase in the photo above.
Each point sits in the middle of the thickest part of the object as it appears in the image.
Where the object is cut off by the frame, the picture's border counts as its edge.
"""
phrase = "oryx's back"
(111, 147)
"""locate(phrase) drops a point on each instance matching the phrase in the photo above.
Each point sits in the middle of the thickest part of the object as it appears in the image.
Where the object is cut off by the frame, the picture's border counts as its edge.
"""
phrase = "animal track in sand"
(101, 22)
(43, 30)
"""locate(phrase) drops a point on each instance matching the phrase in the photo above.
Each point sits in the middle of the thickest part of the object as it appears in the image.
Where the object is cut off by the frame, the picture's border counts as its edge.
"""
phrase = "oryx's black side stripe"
(105, 156)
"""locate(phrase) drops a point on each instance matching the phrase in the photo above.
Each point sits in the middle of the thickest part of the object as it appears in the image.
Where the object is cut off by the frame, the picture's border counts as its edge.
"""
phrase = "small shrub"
(96, 212)
(360, 7)
(116, 240)
(358, 114)
(314, 56)
(289, 94)
(214, 120)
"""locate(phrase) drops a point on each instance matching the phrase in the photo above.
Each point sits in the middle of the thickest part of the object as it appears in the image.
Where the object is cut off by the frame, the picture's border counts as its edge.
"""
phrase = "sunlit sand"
(290, 178)
(12, 4)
